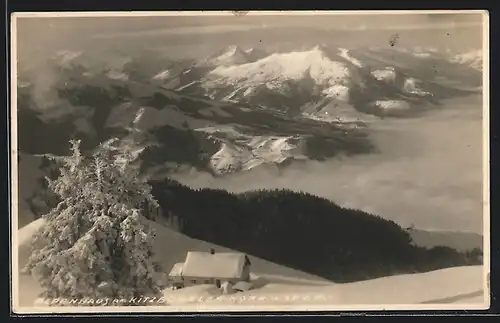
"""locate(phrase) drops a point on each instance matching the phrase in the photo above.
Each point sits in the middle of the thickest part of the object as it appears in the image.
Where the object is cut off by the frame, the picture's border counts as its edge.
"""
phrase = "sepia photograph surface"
(259, 161)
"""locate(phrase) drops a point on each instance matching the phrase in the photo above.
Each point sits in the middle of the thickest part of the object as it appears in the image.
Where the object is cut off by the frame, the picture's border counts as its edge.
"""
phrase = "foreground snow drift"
(280, 286)
(452, 285)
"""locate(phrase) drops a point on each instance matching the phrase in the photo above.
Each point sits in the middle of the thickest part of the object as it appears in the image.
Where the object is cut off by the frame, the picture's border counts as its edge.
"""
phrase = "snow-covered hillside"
(281, 288)
(170, 247)
(240, 151)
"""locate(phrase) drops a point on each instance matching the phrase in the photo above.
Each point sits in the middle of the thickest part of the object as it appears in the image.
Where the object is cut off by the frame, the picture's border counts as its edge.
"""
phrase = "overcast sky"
(201, 34)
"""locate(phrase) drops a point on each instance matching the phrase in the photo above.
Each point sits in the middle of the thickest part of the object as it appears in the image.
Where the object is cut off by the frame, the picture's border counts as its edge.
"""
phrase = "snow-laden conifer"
(96, 242)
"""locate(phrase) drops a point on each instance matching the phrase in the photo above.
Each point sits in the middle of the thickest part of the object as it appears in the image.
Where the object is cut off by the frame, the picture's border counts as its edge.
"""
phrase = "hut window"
(193, 281)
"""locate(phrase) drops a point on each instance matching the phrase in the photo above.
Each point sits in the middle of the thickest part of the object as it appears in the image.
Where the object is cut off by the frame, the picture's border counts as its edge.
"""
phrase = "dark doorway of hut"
(217, 281)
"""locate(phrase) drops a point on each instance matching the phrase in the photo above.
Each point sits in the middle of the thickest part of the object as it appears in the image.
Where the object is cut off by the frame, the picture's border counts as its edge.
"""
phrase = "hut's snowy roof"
(176, 270)
(218, 265)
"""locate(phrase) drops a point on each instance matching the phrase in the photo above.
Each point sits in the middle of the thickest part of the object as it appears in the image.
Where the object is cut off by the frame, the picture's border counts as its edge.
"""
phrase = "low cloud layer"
(429, 172)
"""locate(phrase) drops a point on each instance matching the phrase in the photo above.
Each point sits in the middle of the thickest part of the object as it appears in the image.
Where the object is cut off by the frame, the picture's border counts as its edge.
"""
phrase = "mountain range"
(234, 110)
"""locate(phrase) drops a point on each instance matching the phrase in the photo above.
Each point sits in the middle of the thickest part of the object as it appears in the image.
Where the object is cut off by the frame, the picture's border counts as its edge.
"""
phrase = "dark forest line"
(303, 232)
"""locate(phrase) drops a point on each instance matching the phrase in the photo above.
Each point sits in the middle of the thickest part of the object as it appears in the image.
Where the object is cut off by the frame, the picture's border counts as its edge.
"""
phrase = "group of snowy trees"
(97, 242)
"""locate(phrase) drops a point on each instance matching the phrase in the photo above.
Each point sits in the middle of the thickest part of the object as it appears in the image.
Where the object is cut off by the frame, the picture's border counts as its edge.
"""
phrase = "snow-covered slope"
(240, 151)
(344, 53)
(254, 54)
(387, 75)
(392, 106)
(276, 69)
(170, 247)
(448, 286)
(279, 286)
(233, 55)
(230, 55)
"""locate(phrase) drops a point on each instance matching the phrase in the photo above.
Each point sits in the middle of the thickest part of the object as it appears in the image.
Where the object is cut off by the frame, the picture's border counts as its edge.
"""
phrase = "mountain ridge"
(276, 123)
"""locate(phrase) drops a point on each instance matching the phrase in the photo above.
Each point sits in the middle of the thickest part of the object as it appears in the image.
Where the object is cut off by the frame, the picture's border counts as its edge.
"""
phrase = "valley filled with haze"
(428, 172)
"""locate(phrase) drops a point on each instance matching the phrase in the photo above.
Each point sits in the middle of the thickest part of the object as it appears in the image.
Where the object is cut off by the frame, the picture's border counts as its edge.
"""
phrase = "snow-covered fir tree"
(97, 242)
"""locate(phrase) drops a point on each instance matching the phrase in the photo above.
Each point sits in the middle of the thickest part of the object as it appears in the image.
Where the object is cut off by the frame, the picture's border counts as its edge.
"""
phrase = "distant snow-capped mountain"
(473, 59)
(279, 68)
(291, 81)
(254, 54)
(233, 55)
(237, 109)
(230, 55)
(94, 105)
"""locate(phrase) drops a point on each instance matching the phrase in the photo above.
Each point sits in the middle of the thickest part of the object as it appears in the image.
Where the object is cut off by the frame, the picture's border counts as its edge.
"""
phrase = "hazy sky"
(203, 34)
